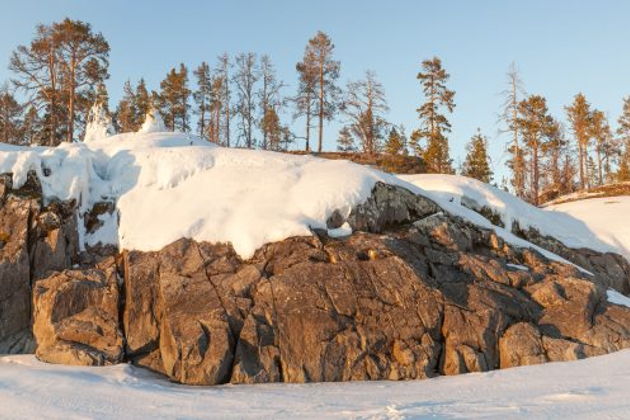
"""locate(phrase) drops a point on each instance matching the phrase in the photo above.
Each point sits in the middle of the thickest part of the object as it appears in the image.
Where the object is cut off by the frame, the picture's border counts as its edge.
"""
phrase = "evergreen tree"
(600, 131)
(32, 128)
(203, 96)
(623, 172)
(306, 98)
(396, 143)
(477, 163)
(554, 149)
(537, 128)
(10, 118)
(434, 124)
(579, 115)
(216, 108)
(269, 99)
(125, 113)
(345, 141)
(508, 116)
(141, 104)
(59, 71)
(173, 99)
(591, 173)
(365, 105)
(318, 59)
(270, 124)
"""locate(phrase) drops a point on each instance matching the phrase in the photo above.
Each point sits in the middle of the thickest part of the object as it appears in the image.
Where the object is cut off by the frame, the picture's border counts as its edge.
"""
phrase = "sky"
(561, 47)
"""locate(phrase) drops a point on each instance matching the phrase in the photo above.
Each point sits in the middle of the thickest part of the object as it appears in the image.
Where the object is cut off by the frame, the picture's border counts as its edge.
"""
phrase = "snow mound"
(597, 223)
(99, 124)
(168, 186)
(592, 388)
(153, 123)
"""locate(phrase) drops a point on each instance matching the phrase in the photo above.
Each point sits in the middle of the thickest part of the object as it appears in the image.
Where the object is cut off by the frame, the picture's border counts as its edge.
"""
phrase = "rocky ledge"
(413, 293)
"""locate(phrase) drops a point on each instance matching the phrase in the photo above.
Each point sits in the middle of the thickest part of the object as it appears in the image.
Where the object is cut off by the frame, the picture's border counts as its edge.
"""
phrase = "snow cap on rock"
(153, 122)
(99, 124)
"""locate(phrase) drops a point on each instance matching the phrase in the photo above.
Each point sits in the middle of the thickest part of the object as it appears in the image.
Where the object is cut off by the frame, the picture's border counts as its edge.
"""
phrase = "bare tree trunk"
(53, 97)
(308, 125)
(535, 174)
(581, 159)
(599, 166)
(321, 107)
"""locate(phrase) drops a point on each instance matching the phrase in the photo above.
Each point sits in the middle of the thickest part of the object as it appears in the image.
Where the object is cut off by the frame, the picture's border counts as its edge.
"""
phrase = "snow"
(596, 223)
(99, 124)
(617, 298)
(518, 267)
(341, 231)
(168, 186)
(590, 388)
(153, 122)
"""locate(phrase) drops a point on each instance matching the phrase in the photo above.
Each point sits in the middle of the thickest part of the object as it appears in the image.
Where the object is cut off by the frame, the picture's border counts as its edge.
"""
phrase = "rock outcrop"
(76, 316)
(412, 293)
(35, 240)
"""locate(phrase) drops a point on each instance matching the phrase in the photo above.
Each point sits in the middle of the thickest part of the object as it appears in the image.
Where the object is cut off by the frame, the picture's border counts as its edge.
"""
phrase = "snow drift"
(168, 186)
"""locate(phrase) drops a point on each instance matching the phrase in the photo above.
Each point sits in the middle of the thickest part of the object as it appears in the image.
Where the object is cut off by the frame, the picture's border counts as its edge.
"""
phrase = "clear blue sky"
(561, 47)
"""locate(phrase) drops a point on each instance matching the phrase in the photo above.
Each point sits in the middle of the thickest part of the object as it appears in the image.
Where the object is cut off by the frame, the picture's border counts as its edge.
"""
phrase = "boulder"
(76, 317)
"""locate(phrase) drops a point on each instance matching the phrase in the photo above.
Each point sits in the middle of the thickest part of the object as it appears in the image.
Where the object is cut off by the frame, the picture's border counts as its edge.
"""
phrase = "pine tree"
(125, 113)
(38, 73)
(169, 99)
(623, 133)
(591, 172)
(568, 172)
(537, 128)
(554, 149)
(32, 128)
(345, 141)
(84, 62)
(623, 172)
(434, 124)
(396, 142)
(203, 96)
(269, 99)
(216, 108)
(270, 124)
(477, 163)
(141, 104)
(579, 114)
(10, 118)
(306, 98)
(365, 105)
(508, 116)
(318, 58)
(600, 131)
(174, 97)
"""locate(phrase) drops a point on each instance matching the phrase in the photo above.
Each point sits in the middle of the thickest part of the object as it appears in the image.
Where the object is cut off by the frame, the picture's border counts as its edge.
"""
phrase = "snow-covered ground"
(171, 185)
(597, 223)
(592, 388)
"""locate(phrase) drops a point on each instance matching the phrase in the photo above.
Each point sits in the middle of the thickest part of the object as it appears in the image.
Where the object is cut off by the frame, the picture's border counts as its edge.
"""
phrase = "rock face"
(76, 317)
(35, 240)
(413, 293)
(611, 269)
